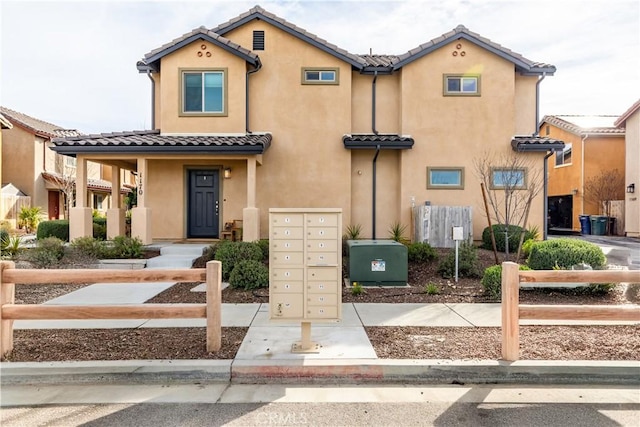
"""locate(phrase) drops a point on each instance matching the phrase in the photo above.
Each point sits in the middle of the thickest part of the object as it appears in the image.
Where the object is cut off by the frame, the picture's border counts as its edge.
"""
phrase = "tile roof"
(379, 60)
(4, 123)
(151, 141)
(623, 118)
(585, 125)
(39, 127)
(535, 143)
(193, 35)
(258, 12)
(522, 63)
(372, 141)
(92, 184)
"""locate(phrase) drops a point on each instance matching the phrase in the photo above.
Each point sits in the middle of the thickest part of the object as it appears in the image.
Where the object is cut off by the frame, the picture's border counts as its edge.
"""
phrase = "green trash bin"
(598, 225)
(378, 262)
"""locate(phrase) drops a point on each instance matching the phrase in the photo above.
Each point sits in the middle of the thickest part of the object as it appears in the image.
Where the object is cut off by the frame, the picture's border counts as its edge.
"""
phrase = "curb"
(347, 371)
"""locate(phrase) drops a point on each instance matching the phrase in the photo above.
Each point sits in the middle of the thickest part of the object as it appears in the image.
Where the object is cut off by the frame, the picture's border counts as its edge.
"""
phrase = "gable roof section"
(585, 125)
(522, 64)
(536, 143)
(623, 118)
(37, 126)
(259, 13)
(151, 60)
(151, 141)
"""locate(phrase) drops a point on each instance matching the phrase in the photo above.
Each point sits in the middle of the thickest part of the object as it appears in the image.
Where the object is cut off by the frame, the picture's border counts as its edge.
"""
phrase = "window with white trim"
(564, 157)
(445, 178)
(203, 92)
(509, 179)
(320, 76)
(457, 84)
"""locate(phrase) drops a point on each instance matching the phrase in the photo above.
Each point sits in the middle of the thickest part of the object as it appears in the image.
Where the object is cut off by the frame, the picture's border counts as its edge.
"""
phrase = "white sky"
(73, 63)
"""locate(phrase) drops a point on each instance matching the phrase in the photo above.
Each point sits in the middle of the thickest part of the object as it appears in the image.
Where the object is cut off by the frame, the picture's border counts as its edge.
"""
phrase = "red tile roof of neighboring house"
(585, 125)
(623, 118)
(92, 184)
(37, 126)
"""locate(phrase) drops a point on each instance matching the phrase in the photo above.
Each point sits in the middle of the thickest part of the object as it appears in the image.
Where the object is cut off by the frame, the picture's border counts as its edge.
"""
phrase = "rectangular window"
(513, 179)
(97, 201)
(455, 84)
(320, 76)
(204, 92)
(445, 178)
(258, 40)
(564, 157)
(69, 161)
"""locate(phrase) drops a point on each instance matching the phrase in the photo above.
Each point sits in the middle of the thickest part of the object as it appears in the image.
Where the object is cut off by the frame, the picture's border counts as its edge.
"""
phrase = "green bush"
(514, 237)
(249, 274)
(230, 253)
(421, 252)
(10, 246)
(56, 228)
(3, 234)
(89, 246)
(565, 253)
(99, 231)
(29, 217)
(47, 254)
(264, 247)
(467, 262)
(492, 280)
(126, 248)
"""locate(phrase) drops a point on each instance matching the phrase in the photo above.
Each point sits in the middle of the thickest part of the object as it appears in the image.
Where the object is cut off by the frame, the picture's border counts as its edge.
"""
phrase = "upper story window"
(69, 161)
(564, 157)
(204, 92)
(461, 85)
(508, 178)
(258, 40)
(445, 178)
(320, 76)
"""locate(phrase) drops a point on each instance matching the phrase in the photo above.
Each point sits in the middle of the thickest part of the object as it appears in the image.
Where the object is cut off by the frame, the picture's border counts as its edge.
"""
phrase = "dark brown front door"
(54, 205)
(203, 204)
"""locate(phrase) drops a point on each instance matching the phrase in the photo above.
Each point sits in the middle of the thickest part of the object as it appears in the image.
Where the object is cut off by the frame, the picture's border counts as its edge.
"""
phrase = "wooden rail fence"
(9, 311)
(513, 311)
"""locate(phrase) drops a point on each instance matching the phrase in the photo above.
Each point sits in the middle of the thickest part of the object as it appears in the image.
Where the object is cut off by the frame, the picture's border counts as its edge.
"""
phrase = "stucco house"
(593, 145)
(257, 113)
(29, 164)
(630, 120)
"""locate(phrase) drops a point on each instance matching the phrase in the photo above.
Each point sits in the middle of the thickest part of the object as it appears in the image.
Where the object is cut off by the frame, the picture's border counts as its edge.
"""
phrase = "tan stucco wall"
(18, 163)
(525, 101)
(632, 205)
(601, 153)
(387, 103)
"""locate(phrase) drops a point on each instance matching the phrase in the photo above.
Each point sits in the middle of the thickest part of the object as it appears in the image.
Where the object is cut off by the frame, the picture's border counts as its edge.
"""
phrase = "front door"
(204, 203)
(54, 205)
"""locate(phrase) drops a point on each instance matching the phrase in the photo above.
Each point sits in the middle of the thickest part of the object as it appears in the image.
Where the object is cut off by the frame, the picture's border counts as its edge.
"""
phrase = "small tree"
(512, 182)
(603, 188)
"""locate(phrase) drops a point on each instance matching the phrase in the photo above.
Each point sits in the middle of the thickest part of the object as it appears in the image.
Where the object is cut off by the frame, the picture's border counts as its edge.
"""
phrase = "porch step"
(171, 261)
(188, 249)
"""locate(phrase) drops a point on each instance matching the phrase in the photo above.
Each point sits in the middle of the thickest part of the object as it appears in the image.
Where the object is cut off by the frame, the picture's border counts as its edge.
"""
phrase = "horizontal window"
(320, 76)
(510, 179)
(564, 157)
(455, 84)
(203, 92)
(445, 178)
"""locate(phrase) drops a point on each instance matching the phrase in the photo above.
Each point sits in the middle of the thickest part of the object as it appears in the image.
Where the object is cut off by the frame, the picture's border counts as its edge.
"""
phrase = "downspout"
(246, 100)
(373, 103)
(536, 132)
(584, 138)
(153, 100)
(375, 159)
(545, 197)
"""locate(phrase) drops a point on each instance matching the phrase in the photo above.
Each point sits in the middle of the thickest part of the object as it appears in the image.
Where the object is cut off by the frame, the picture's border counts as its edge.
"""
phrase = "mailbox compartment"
(378, 262)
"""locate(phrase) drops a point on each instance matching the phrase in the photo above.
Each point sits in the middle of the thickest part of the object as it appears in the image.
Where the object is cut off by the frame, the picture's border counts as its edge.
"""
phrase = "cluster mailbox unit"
(305, 268)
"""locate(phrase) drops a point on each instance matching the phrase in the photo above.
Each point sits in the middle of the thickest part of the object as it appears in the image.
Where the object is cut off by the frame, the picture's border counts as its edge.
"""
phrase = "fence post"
(510, 311)
(214, 306)
(7, 296)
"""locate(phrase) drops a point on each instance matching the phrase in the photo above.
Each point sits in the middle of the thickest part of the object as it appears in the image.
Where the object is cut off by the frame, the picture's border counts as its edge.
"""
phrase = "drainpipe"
(536, 132)
(373, 104)
(153, 100)
(545, 196)
(375, 159)
(246, 101)
(584, 138)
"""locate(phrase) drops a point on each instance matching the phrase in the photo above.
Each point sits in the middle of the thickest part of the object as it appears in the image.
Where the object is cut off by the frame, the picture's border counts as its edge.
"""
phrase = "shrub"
(467, 262)
(396, 233)
(56, 228)
(126, 247)
(421, 252)
(565, 253)
(249, 274)
(47, 253)
(9, 245)
(492, 280)
(264, 247)
(352, 232)
(527, 246)
(99, 231)
(29, 217)
(88, 246)
(514, 237)
(230, 253)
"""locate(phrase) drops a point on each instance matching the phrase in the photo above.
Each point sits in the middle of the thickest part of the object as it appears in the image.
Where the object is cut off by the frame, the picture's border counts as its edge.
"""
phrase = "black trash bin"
(612, 225)
(585, 224)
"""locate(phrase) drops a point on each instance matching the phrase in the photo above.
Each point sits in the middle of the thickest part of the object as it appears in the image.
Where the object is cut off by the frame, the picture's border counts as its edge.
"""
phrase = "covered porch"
(187, 186)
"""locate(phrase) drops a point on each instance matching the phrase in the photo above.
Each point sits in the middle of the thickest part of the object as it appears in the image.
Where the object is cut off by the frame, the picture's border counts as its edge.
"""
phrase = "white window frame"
(562, 155)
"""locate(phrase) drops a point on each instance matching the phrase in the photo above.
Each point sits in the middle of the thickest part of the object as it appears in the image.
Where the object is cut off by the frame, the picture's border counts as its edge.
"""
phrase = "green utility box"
(377, 262)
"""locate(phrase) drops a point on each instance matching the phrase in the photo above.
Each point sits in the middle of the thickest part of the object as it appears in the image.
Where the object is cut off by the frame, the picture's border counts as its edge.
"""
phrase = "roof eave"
(73, 150)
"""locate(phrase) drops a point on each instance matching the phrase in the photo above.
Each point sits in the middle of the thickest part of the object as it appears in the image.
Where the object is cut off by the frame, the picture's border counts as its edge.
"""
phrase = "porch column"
(115, 214)
(251, 214)
(80, 218)
(141, 215)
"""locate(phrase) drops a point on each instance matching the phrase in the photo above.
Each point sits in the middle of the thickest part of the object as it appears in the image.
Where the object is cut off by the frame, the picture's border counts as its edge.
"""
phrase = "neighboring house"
(630, 120)
(593, 145)
(258, 113)
(31, 166)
